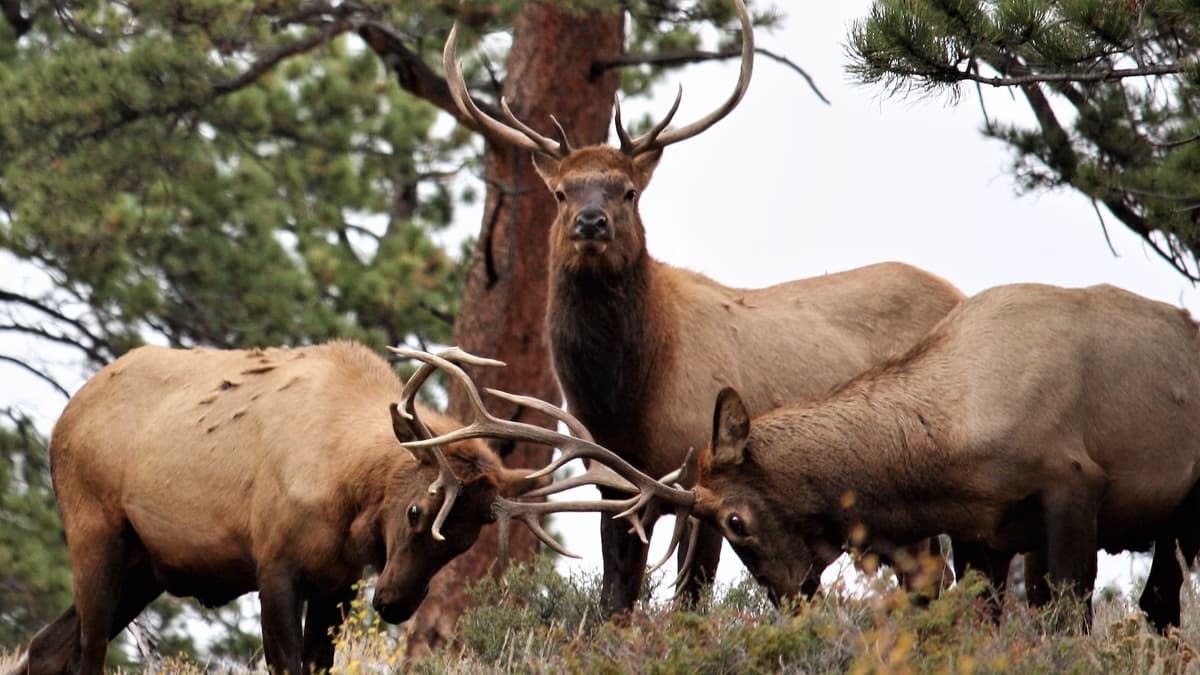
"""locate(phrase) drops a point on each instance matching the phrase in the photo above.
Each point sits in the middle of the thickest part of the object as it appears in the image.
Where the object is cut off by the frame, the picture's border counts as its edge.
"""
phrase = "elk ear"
(546, 166)
(731, 428)
(402, 427)
(645, 164)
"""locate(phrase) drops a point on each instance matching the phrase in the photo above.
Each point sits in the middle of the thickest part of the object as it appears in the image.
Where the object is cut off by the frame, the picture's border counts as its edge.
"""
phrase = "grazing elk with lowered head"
(1032, 419)
(640, 348)
(212, 473)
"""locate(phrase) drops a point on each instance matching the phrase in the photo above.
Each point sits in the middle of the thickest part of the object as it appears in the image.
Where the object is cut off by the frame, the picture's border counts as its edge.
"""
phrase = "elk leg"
(992, 564)
(281, 605)
(54, 647)
(1071, 538)
(624, 563)
(98, 558)
(1160, 597)
(322, 620)
(1037, 588)
(704, 564)
(57, 648)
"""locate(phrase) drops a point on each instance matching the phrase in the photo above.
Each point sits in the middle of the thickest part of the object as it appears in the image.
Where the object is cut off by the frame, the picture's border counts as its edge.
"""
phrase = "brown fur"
(212, 473)
(642, 348)
(1033, 418)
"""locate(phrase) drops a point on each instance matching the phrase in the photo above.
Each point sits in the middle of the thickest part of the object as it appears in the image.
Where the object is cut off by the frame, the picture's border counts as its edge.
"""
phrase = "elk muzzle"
(394, 606)
(592, 231)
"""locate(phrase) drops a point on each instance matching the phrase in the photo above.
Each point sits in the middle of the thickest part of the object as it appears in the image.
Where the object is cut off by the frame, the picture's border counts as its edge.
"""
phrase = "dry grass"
(538, 621)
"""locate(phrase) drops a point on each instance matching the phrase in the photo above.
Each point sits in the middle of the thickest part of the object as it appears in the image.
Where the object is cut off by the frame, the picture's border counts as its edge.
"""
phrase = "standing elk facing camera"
(1033, 418)
(641, 348)
(212, 474)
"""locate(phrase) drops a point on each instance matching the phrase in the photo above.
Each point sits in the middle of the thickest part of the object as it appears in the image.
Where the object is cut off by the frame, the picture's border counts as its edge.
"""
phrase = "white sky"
(787, 187)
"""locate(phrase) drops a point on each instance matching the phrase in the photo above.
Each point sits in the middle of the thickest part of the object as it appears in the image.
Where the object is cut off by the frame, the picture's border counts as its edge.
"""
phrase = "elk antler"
(487, 425)
(406, 411)
(686, 477)
(656, 138)
(515, 131)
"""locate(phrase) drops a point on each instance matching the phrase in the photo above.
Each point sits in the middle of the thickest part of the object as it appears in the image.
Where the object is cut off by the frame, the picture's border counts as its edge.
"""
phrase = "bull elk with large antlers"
(641, 348)
(1032, 419)
(212, 473)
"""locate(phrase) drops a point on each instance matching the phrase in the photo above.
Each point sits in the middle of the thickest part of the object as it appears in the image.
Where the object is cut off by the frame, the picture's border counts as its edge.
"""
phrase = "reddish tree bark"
(504, 302)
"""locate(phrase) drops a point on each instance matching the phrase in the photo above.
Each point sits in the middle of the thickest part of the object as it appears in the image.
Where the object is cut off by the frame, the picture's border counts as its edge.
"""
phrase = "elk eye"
(414, 514)
(560, 196)
(630, 194)
(737, 525)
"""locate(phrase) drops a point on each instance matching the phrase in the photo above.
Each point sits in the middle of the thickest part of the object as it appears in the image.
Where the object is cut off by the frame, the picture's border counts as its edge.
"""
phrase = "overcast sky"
(787, 187)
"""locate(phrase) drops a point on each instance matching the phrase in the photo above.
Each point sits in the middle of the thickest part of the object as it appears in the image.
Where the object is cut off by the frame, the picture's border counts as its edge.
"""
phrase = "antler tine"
(597, 473)
(646, 142)
(622, 133)
(545, 145)
(522, 136)
(650, 142)
(562, 136)
(528, 513)
(570, 421)
(446, 480)
(676, 537)
(685, 570)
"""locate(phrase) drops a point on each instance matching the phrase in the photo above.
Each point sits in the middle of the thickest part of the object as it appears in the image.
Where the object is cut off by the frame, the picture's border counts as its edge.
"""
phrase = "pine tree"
(1114, 87)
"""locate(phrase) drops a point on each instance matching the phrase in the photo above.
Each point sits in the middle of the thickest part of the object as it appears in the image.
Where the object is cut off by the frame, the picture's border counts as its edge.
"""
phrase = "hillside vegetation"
(537, 621)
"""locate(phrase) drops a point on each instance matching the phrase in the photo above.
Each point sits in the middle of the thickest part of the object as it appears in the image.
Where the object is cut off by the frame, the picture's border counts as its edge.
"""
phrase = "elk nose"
(591, 224)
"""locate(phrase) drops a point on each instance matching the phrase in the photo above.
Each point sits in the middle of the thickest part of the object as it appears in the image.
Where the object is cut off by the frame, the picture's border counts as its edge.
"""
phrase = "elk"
(1031, 419)
(212, 473)
(641, 348)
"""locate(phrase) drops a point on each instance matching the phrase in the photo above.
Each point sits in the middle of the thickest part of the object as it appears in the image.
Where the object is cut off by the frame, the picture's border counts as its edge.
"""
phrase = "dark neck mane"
(605, 341)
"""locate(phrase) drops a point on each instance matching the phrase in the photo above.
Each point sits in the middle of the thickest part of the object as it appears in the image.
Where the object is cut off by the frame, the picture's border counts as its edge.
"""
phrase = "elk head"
(597, 187)
(436, 514)
(760, 513)
(427, 528)
(759, 509)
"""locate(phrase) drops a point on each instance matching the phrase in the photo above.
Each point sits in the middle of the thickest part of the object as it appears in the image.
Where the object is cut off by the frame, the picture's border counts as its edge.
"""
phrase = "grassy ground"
(536, 621)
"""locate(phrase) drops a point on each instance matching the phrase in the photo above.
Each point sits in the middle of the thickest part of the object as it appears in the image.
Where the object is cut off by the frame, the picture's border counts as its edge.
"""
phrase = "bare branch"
(38, 331)
(97, 341)
(414, 75)
(1175, 144)
(270, 59)
(36, 373)
(682, 57)
(1104, 228)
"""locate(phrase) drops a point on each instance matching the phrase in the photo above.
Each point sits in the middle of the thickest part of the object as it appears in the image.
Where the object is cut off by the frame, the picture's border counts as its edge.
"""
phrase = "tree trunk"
(504, 302)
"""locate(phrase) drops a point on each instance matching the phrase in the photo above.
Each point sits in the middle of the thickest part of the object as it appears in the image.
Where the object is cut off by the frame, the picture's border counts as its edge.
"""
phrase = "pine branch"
(951, 74)
(266, 62)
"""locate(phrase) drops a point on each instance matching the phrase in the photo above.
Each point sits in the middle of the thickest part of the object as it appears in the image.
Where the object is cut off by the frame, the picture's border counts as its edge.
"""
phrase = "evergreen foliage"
(1114, 87)
(35, 576)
